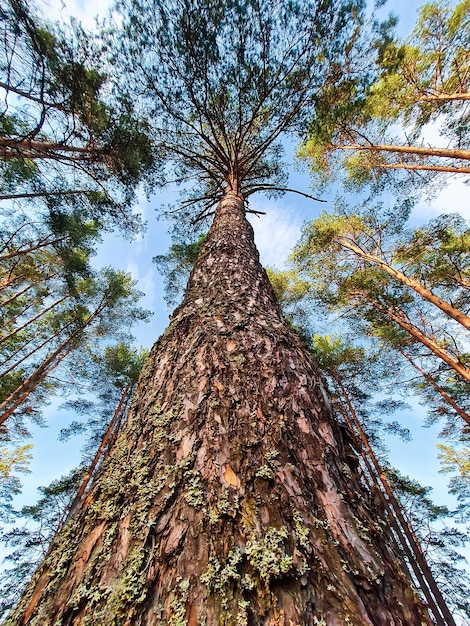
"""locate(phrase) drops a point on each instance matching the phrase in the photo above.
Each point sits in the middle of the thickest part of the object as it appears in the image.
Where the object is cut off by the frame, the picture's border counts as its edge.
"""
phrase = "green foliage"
(434, 61)
(455, 460)
(349, 257)
(55, 307)
(16, 460)
(292, 293)
(421, 80)
(221, 82)
(66, 140)
(176, 266)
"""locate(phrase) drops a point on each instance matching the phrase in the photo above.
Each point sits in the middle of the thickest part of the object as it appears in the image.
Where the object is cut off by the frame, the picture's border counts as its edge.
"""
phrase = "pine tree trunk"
(227, 497)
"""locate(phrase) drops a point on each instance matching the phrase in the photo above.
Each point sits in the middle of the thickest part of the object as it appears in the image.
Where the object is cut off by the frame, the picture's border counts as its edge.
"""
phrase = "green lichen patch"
(130, 587)
(219, 578)
(268, 555)
(228, 504)
(194, 493)
(177, 604)
(265, 472)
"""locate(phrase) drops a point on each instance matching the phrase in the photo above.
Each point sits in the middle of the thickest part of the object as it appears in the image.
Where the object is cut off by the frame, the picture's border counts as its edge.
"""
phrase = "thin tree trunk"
(16, 295)
(437, 387)
(33, 319)
(27, 288)
(449, 153)
(429, 581)
(38, 246)
(31, 352)
(107, 437)
(445, 97)
(442, 354)
(225, 499)
(425, 293)
(401, 543)
(10, 404)
(33, 381)
(449, 169)
(43, 194)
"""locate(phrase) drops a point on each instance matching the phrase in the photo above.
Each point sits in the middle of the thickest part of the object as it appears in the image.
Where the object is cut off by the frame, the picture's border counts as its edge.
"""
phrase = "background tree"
(405, 286)
(102, 305)
(454, 459)
(176, 266)
(105, 381)
(64, 137)
(421, 80)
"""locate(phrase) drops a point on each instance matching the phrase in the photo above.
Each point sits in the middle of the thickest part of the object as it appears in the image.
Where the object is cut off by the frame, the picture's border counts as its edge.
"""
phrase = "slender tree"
(423, 79)
(105, 380)
(103, 303)
(367, 264)
(63, 135)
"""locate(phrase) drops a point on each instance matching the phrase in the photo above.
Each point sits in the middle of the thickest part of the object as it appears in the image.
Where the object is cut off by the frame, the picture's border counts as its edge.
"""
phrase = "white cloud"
(84, 10)
(146, 283)
(276, 233)
(453, 198)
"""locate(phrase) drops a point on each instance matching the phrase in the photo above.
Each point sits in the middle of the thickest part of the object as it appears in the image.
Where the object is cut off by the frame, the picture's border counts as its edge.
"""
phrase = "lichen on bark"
(227, 497)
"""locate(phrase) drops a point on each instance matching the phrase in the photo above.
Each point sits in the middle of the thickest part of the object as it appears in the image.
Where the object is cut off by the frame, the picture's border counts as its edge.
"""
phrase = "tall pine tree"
(227, 497)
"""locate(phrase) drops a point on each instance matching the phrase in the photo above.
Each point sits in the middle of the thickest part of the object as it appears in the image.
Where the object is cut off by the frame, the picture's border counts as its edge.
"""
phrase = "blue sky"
(275, 234)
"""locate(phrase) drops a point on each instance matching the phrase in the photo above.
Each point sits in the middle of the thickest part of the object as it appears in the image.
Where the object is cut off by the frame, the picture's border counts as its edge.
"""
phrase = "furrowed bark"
(226, 498)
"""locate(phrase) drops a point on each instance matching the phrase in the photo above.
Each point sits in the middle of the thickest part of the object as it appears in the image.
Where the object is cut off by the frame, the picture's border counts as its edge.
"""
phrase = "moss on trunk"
(229, 496)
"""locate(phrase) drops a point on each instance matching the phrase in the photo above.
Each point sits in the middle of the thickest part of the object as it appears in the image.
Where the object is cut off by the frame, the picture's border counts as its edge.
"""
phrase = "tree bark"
(445, 97)
(226, 498)
(449, 153)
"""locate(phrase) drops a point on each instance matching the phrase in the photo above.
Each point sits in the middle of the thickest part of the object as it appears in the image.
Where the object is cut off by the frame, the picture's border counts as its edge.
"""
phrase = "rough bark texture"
(227, 497)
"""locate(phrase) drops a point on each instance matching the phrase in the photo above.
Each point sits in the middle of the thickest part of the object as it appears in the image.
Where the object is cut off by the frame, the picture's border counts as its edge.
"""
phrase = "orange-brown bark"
(449, 169)
(445, 97)
(417, 334)
(419, 288)
(449, 153)
(226, 498)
